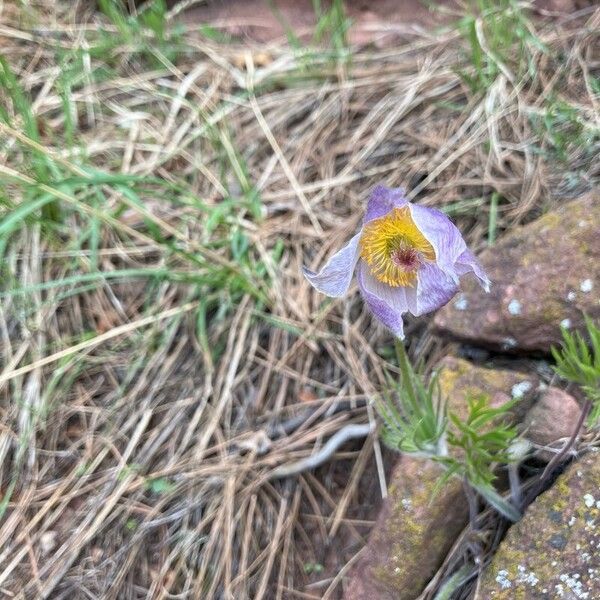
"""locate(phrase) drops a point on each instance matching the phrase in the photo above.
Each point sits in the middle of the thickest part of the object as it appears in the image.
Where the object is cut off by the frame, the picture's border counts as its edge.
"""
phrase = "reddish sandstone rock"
(544, 275)
(553, 417)
(459, 379)
(412, 534)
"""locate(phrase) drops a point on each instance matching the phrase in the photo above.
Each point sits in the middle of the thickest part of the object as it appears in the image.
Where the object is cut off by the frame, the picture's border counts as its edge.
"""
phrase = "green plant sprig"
(416, 421)
(580, 364)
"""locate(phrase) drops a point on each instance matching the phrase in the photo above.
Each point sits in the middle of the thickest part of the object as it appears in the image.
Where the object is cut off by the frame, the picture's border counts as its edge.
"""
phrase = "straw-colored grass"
(162, 357)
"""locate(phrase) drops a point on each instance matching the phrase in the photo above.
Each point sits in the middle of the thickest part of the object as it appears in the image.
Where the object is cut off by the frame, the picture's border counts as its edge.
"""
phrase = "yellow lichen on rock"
(553, 551)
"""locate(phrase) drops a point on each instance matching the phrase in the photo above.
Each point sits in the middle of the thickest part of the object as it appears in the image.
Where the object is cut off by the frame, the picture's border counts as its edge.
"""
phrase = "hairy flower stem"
(472, 501)
(405, 371)
(516, 493)
(473, 515)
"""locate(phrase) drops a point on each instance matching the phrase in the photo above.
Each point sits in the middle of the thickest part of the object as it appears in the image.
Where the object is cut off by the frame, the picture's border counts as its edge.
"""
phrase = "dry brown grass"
(137, 448)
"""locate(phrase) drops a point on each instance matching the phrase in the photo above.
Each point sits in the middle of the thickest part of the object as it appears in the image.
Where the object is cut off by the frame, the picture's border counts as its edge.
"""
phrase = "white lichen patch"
(461, 303)
(566, 323)
(589, 500)
(587, 285)
(520, 389)
(573, 582)
(526, 578)
(514, 307)
(571, 296)
(503, 580)
(572, 521)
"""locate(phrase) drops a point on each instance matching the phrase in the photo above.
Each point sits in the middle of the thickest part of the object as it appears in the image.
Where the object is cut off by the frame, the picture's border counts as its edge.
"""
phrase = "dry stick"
(224, 385)
(274, 546)
(345, 434)
(212, 572)
(243, 568)
(229, 494)
(447, 566)
(336, 580)
(353, 480)
(293, 517)
(358, 369)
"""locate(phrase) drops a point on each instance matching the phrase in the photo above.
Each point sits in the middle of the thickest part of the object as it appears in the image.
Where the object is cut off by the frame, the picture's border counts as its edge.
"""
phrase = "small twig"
(558, 458)
(342, 572)
(345, 434)
(285, 428)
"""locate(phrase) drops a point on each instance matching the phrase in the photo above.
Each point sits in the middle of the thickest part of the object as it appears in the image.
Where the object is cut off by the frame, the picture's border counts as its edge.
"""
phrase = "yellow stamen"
(394, 247)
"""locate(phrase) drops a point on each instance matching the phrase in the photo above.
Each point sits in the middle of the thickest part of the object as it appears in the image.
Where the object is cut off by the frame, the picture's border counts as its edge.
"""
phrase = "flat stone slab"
(459, 379)
(544, 275)
(554, 551)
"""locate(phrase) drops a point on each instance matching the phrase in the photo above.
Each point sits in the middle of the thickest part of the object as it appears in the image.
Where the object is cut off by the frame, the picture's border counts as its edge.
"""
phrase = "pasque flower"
(407, 258)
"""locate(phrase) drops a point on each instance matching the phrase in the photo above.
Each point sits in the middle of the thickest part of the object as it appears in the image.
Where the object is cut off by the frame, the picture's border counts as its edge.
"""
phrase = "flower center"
(394, 248)
(405, 257)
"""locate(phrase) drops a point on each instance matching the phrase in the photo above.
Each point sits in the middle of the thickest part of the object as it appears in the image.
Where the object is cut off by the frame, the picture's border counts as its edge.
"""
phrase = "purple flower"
(407, 258)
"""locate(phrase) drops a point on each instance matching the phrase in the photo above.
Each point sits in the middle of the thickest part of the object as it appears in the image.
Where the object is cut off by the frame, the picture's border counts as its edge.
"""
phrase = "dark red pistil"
(406, 259)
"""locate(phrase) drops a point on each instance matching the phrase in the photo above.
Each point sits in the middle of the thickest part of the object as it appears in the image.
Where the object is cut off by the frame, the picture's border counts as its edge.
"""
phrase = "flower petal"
(335, 277)
(382, 200)
(435, 288)
(442, 234)
(387, 303)
(467, 263)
